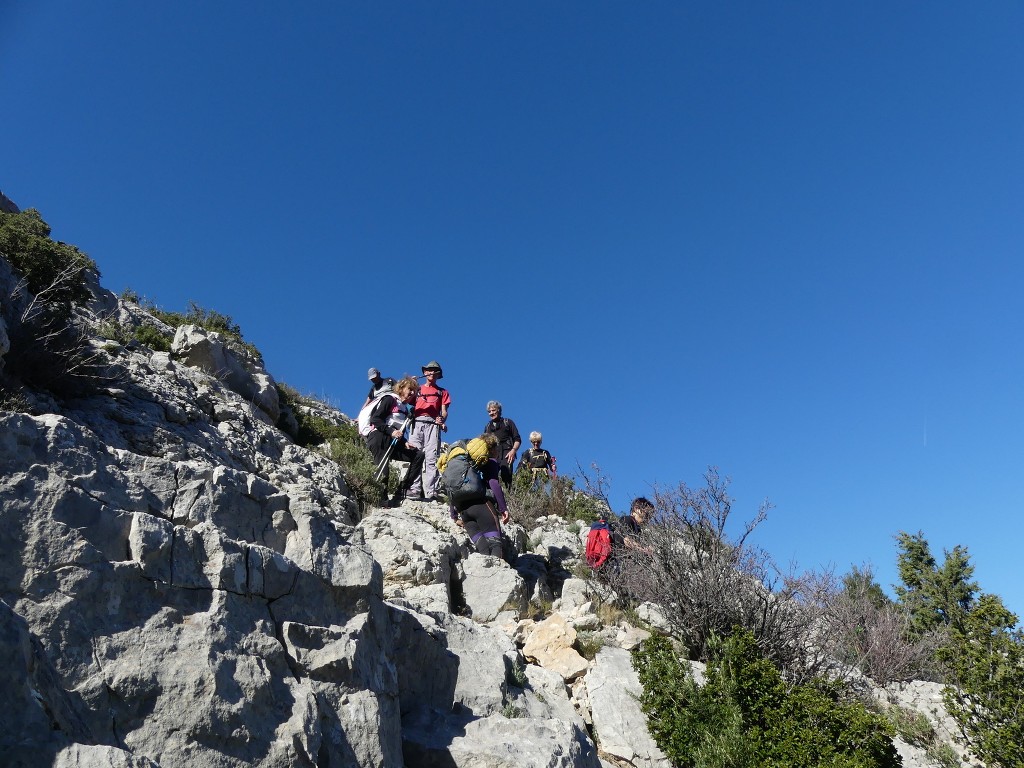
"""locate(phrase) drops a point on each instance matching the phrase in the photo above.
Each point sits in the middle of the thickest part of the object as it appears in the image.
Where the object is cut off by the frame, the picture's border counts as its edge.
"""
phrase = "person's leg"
(431, 446)
(489, 544)
(378, 444)
(471, 522)
(415, 458)
(505, 473)
(416, 436)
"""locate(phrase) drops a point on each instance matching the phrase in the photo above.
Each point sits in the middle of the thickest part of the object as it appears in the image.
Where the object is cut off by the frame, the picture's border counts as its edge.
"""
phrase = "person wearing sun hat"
(430, 414)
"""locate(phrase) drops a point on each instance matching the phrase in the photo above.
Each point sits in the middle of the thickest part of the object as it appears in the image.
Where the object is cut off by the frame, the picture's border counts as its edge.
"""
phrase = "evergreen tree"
(934, 596)
(984, 662)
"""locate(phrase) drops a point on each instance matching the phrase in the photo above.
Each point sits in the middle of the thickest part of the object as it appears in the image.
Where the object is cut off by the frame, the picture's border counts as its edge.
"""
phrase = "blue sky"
(783, 239)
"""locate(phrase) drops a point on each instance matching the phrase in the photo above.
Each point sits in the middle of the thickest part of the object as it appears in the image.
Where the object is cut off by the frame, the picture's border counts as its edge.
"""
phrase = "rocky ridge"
(183, 585)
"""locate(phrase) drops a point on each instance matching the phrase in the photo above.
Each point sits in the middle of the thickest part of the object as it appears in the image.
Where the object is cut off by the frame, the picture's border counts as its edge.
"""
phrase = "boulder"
(490, 586)
(551, 645)
(212, 353)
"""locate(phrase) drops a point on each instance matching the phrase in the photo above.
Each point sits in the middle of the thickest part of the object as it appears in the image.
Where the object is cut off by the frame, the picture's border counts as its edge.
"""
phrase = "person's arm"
(510, 457)
(493, 478)
(446, 400)
(380, 414)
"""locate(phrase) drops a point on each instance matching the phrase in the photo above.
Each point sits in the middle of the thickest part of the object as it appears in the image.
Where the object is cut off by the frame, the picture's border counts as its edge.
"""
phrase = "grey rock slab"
(490, 587)
(434, 740)
(620, 725)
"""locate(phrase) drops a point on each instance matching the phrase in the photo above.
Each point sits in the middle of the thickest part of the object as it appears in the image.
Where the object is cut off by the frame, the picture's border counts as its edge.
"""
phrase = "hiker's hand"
(510, 458)
(396, 434)
(460, 523)
(504, 517)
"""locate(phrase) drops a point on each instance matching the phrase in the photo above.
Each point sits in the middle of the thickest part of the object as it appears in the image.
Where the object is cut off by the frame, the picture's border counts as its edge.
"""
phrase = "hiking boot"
(397, 499)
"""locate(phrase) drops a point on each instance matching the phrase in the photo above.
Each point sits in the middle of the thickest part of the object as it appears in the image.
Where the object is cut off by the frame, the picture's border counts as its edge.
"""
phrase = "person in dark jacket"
(481, 518)
(540, 463)
(388, 421)
(508, 439)
(629, 529)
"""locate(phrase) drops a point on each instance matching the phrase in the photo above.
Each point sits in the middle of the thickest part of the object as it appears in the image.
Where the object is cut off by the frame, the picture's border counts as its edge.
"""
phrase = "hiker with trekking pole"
(388, 421)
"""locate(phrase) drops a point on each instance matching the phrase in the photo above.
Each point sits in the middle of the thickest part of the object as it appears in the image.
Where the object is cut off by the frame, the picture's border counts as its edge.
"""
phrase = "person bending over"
(481, 518)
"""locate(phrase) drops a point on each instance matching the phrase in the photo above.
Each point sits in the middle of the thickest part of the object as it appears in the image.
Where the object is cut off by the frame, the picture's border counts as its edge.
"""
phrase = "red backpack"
(599, 544)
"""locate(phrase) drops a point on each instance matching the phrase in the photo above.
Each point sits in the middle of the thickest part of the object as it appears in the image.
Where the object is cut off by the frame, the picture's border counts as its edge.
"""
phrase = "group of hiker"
(403, 420)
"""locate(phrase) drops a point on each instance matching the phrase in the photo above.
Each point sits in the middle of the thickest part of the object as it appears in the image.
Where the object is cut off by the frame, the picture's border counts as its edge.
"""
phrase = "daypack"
(599, 544)
(363, 419)
(459, 474)
(537, 458)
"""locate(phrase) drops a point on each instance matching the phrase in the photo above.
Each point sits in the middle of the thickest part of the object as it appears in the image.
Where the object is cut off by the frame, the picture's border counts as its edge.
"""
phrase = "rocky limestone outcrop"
(181, 585)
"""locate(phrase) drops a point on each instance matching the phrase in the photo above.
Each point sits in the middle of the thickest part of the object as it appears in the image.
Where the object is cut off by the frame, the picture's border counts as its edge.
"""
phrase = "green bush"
(358, 466)
(144, 334)
(48, 349)
(554, 496)
(207, 319)
(152, 338)
(984, 660)
(345, 446)
(746, 715)
(53, 271)
(981, 654)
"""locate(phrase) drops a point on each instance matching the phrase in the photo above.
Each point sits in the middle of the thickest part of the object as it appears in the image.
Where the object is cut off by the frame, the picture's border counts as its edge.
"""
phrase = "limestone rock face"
(183, 585)
(613, 689)
(211, 353)
(498, 742)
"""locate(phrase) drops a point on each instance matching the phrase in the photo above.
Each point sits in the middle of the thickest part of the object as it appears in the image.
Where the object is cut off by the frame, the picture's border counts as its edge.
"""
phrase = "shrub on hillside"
(558, 496)
(54, 272)
(747, 716)
(707, 581)
(149, 335)
(345, 446)
(49, 348)
(981, 654)
(984, 662)
(208, 319)
(863, 628)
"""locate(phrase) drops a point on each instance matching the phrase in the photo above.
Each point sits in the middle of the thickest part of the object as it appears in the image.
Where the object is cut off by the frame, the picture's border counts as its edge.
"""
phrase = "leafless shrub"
(708, 581)
(50, 346)
(865, 630)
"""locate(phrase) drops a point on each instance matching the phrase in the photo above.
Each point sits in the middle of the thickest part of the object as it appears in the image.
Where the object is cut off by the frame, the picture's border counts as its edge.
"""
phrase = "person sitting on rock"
(480, 518)
(388, 421)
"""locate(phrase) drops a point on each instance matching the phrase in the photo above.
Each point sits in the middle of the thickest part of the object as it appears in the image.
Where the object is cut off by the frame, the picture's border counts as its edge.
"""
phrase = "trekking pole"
(384, 462)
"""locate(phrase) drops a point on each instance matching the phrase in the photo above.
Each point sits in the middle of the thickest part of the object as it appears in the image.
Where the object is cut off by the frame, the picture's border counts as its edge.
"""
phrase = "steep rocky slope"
(182, 585)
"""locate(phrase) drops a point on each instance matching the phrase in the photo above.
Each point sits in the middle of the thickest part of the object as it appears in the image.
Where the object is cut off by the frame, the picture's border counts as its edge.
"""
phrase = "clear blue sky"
(780, 238)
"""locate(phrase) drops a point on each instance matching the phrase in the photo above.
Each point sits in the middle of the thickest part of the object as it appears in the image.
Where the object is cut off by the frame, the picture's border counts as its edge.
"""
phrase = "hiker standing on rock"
(480, 518)
(430, 414)
(508, 439)
(388, 422)
(540, 463)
